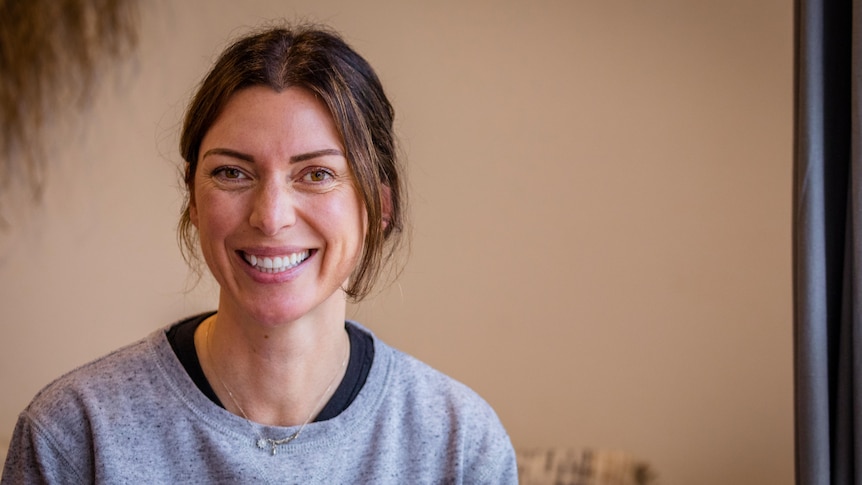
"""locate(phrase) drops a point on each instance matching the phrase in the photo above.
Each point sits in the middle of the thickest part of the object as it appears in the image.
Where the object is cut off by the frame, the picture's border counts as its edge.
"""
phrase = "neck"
(276, 375)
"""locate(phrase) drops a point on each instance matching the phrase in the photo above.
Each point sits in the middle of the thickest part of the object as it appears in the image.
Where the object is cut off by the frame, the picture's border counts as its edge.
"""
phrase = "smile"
(276, 264)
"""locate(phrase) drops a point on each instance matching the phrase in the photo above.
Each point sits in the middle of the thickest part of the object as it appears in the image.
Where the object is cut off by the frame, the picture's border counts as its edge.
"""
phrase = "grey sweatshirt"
(135, 416)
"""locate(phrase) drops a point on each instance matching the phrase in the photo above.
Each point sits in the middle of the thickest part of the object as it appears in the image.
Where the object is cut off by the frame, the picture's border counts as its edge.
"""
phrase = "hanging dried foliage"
(50, 55)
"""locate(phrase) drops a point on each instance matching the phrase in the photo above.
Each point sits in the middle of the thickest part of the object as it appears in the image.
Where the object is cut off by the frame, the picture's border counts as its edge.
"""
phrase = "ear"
(386, 206)
(193, 210)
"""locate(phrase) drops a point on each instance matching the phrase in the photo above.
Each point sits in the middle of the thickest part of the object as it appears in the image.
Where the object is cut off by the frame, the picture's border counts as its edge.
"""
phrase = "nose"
(273, 209)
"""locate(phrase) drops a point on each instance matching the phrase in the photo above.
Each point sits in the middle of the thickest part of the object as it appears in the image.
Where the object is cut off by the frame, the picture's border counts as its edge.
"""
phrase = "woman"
(295, 202)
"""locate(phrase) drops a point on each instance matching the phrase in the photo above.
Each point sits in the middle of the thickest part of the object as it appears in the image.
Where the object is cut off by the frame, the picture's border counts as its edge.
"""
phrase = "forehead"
(264, 122)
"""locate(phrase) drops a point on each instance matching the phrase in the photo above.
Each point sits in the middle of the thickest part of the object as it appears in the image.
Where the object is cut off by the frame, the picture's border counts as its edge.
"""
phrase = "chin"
(276, 308)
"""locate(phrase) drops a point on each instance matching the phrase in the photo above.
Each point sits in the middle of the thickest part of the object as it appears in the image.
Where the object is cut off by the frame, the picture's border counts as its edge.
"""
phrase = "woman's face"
(280, 222)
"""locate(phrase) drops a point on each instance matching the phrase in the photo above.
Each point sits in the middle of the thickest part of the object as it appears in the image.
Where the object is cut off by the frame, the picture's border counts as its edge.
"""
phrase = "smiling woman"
(294, 202)
(273, 184)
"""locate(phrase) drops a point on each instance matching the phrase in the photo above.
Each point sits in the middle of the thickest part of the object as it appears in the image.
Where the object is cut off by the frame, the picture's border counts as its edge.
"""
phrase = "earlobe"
(193, 213)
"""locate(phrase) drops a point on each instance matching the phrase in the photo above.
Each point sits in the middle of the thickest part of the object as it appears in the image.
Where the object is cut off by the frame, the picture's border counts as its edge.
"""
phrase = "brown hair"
(318, 60)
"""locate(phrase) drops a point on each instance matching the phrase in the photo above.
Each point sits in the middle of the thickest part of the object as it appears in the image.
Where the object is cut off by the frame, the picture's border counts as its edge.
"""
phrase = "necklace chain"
(261, 441)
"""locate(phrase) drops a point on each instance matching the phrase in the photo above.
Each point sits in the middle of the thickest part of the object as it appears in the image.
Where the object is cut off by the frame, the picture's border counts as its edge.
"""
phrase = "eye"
(317, 175)
(229, 173)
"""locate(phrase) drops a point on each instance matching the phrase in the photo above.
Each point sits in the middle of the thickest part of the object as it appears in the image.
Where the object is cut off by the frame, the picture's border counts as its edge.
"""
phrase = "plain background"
(601, 209)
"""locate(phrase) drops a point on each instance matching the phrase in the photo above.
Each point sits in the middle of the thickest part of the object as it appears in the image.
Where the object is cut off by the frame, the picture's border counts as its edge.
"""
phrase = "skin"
(272, 179)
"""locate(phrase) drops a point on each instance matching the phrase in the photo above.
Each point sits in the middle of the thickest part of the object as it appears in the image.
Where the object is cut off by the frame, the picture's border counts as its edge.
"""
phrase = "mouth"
(275, 264)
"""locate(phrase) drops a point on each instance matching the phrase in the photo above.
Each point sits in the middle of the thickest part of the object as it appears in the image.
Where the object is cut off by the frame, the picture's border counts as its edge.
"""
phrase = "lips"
(276, 264)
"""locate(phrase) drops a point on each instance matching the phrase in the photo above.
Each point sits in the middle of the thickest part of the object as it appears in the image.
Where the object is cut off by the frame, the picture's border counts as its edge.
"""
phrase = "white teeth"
(276, 264)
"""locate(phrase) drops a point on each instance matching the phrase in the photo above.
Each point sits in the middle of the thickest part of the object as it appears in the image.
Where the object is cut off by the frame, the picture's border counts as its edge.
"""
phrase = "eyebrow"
(316, 154)
(302, 157)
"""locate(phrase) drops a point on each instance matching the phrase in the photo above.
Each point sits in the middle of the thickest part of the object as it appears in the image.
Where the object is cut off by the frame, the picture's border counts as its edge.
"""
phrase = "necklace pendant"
(274, 449)
(261, 443)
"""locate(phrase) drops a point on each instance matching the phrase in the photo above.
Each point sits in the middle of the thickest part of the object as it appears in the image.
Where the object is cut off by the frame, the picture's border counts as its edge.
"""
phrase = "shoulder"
(421, 382)
(447, 417)
(60, 423)
(413, 382)
(122, 388)
(100, 378)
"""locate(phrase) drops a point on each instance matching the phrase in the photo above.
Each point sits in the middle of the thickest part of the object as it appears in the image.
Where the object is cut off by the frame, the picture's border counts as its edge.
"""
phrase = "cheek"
(213, 216)
(343, 220)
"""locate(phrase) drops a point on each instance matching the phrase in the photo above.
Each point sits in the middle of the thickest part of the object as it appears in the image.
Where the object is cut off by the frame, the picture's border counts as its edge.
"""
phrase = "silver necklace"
(262, 442)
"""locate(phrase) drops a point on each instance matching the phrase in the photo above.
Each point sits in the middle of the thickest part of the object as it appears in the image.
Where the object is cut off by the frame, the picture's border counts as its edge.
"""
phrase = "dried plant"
(50, 54)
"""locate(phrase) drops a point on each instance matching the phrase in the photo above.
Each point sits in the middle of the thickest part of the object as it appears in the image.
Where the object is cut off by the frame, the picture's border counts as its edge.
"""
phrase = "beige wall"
(601, 201)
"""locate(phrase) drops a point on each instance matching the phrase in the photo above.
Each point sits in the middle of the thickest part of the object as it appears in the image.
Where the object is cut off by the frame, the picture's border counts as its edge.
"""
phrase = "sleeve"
(33, 458)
